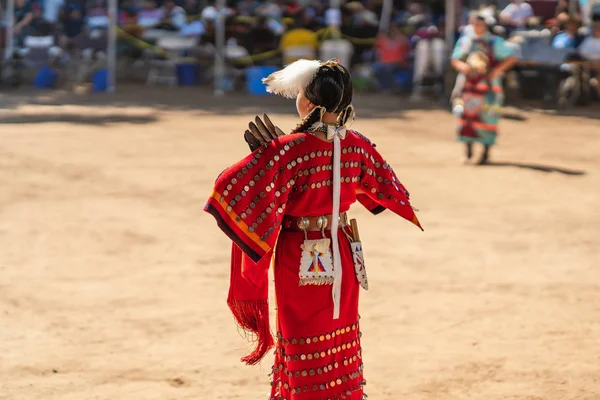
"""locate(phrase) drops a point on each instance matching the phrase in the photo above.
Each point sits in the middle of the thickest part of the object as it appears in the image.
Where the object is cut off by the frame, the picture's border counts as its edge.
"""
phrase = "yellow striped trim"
(242, 225)
(415, 221)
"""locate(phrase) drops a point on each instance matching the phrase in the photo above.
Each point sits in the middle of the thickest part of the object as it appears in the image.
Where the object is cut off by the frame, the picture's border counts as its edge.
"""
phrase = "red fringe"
(253, 316)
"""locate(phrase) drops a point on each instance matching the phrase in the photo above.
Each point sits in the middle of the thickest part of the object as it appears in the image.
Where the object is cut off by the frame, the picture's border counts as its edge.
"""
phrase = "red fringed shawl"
(290, 175)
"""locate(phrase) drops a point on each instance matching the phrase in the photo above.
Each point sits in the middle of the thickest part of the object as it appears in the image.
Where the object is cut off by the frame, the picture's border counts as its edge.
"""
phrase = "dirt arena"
(113, 280)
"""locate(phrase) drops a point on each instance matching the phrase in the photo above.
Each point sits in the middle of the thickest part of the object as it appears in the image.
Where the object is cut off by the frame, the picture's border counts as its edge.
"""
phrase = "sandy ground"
(113, 281)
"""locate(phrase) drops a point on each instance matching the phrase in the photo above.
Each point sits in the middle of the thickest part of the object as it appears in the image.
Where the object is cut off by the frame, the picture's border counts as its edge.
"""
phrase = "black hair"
(331, 91)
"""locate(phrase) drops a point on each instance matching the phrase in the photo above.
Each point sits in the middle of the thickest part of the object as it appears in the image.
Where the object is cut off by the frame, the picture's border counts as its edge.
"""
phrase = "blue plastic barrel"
(46, 78)
(254, 77)
(188, 74)
(403, 79)
(100, 80)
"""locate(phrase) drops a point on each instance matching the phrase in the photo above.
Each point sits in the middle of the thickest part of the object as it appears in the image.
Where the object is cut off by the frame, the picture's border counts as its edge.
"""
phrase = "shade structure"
(113, 9)
(219, 67)
(386, 15)
(10, 23)
(451, 24)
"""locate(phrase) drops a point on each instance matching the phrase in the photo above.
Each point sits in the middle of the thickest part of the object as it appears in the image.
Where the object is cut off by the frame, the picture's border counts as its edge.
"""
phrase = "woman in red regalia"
(290, 197)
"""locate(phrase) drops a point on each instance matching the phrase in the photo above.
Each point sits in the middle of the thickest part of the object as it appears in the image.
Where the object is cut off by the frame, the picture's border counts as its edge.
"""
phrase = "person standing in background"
(481, 96)
(430, 57)
(39, 25)
(72, 25)
(23, 16)
(392, 49)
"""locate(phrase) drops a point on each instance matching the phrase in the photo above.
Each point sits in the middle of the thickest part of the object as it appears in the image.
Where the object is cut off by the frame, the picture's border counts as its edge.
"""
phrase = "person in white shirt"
(193, 27)
(52, 9)
(209, 12)
(590, 48)
(516, 14)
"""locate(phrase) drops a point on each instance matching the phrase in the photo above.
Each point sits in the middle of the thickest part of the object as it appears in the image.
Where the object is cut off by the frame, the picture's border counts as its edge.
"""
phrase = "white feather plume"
(288, 82)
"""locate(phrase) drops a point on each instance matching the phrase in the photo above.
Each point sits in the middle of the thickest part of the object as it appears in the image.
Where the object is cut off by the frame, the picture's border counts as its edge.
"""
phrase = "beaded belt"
(311, 224)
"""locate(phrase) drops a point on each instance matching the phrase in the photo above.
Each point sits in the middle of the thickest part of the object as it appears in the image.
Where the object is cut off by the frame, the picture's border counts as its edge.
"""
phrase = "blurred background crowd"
(404, 49)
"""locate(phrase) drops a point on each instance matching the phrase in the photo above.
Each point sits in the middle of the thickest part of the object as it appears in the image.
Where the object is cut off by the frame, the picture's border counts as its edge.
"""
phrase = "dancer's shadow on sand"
(535, 167)
(113, 118)
(514, 116)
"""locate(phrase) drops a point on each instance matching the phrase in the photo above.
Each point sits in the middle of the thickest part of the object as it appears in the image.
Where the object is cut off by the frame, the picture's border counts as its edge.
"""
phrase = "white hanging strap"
(335, 220)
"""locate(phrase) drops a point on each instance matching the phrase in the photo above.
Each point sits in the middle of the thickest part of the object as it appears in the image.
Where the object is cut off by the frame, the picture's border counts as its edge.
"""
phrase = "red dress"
(316, 357)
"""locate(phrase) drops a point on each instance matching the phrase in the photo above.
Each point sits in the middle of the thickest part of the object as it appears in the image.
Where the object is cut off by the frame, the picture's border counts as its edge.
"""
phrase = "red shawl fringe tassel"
(248, 301)
(253, 318)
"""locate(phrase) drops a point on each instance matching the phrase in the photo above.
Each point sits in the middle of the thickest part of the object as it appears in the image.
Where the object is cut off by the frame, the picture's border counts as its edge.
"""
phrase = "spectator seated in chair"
(561, 16)
(72, 25)
(128, 22)
(392, 50)
(39, 26)
(516, 14)
(590, 51)
(569, 38)
(429, 61)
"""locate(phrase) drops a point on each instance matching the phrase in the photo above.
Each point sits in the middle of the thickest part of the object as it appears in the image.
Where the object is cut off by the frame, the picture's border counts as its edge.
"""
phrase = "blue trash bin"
(254, 77)
(46, 78)
(100, 80)
(403, 79)
(188, 74)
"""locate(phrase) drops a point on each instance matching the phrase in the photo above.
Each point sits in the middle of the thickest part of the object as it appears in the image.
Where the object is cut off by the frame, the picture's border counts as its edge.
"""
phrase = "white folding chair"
(165, 70)
(36, 50)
